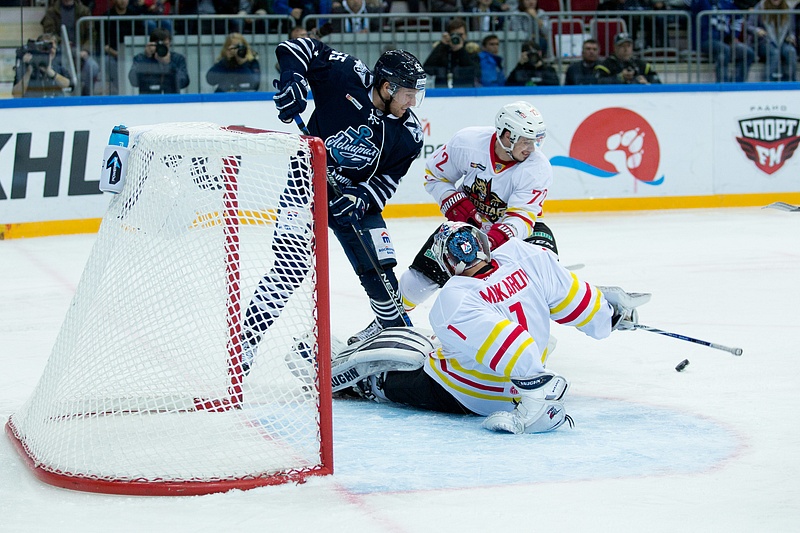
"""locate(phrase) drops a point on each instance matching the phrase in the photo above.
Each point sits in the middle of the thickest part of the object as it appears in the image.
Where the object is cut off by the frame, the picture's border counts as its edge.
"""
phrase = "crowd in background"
(732, 43)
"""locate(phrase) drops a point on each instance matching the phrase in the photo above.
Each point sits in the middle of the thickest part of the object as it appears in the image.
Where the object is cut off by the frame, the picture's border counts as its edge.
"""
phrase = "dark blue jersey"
(365, 146)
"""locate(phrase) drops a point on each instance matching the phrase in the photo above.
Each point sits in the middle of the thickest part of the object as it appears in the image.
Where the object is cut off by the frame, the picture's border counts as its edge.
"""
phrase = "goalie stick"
(783, 206)
(734, 351)
(393, 296)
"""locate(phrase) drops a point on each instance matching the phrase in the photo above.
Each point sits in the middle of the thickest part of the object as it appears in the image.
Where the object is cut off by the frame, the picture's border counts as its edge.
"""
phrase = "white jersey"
(496, 327)
(511, 193)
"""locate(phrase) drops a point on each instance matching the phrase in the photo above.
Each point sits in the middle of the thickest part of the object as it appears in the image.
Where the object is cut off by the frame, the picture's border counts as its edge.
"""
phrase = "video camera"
(40, 50)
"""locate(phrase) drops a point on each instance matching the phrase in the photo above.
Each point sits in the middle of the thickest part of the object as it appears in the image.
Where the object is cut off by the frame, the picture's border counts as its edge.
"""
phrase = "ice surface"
(713, 448)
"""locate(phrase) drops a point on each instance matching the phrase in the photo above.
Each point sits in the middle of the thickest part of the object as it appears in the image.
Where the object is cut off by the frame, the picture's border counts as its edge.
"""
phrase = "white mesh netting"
(145, 382)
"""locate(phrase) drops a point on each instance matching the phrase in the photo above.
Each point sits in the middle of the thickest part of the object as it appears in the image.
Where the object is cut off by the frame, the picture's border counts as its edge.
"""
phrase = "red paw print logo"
(616, 142)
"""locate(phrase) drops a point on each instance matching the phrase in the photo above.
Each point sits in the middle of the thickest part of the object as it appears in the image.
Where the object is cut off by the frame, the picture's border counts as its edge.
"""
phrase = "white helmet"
(458, 246)
(522, 120)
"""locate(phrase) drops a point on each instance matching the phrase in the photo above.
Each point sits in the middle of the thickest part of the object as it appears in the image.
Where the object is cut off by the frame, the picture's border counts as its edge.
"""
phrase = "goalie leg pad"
(547, 417)
(540, 408)
(394, 349)
(543, 236)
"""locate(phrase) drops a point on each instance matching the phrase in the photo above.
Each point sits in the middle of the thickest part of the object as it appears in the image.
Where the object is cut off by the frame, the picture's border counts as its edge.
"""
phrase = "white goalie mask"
(521, 119)
(458, 246)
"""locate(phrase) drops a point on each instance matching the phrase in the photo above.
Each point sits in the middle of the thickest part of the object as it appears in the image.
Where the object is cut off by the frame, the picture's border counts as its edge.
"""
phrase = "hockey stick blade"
(783, 206)
(734, 351)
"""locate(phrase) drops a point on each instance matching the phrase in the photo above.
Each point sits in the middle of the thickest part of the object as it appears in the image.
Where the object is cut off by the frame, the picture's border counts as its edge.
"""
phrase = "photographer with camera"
(454, 61)
(237, 67)
(531, 69)
(39, 73)
(622, 67)
(158, 70)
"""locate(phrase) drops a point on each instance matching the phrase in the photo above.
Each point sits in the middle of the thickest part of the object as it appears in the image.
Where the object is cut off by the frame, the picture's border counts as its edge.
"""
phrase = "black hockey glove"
(291, 98)
(350, 207)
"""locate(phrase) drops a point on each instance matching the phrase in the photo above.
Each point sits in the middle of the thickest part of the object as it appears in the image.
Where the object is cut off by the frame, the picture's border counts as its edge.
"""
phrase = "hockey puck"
(683, 364)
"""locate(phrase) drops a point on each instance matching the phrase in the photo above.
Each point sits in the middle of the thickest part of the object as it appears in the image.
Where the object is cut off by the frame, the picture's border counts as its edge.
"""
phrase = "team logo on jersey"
(363, 72)
(769, 141)
(488, 203)
(413, 125)
(352, 148)
(614, 142)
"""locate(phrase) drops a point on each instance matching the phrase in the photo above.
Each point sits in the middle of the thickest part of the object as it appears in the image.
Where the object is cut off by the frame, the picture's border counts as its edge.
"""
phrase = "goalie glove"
(291, 98)
(459, 208)
(498, 234)
(350, 207)
(624, 304)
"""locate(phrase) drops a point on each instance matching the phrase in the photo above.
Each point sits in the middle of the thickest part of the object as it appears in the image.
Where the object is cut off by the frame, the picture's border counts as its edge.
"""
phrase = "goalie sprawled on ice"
(491, 324)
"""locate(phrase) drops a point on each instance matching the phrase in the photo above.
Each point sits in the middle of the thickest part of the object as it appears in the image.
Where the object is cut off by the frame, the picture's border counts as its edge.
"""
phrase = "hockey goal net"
(145, 390)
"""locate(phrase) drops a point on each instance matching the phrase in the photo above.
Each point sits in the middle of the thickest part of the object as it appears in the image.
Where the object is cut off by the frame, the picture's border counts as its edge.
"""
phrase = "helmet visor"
(530, 143)
(406, 96)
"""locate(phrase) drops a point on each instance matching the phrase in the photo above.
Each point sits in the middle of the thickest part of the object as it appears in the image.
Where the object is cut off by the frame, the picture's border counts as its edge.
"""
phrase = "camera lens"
(241, 50)
(161, 50)
(455, 39)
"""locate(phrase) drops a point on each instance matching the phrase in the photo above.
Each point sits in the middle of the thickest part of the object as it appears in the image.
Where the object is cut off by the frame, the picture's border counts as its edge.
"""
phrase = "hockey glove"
(624, 304)
(291, 98)
(458, 208)
(350, 207)
(498, 234)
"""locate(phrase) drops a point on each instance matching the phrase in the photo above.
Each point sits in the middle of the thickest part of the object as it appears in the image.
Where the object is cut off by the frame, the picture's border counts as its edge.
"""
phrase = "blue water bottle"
(115, 161)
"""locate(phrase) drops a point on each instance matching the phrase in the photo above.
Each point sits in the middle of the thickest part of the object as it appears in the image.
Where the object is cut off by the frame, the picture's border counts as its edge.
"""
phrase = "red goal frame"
(72, 481)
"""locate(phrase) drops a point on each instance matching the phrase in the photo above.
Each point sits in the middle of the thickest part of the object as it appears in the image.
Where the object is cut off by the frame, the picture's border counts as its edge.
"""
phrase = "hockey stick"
(783, 206)
(393, 296)
(734, 351)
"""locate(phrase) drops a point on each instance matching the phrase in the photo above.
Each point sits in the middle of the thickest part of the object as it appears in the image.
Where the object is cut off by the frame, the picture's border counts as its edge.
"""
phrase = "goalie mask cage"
(144, 391)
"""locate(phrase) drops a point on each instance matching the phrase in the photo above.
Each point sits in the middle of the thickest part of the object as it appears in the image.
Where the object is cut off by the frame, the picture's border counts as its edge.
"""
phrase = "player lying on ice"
(491, 323)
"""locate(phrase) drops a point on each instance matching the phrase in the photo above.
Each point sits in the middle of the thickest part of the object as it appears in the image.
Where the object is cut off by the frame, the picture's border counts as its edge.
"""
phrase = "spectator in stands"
(486, 21)
(213, 7)
(492, 71)
(646, 30)
(156, 11)
(298, 9)
(38, 70)
(622, 67)
(237, 67)
(531, 69)
(67, 12)
(451, 6)
(454, 61)
(355, 24)
(718, 39)
(448, 6)
(116, 31)
(775, 40)
(541, 30)
(158, 70)
(582, 72)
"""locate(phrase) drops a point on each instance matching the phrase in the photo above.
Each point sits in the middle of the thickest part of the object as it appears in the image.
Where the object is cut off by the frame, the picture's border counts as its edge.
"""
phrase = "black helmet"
(401, 69)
